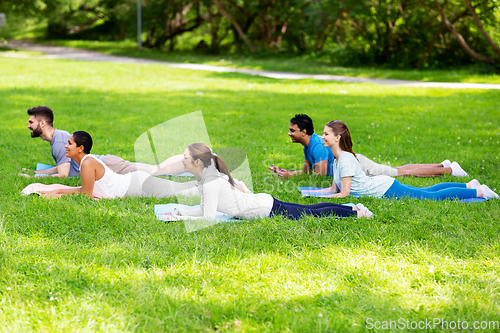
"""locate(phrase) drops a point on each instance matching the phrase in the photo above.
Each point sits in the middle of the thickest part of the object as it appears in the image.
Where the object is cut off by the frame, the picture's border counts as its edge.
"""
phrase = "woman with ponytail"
(218, 193)
(348, 178)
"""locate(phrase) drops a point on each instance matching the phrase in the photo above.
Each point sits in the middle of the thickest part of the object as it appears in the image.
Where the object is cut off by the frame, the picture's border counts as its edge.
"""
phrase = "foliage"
(365, 32)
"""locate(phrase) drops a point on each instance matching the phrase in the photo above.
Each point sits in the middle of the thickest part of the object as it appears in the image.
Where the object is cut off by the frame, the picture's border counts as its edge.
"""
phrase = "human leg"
(423, 170)
(296, 211)
(159, 187)
(121, 166)
(371, 168)
(443, 186)
(460, 191)
(171, 166)
(415, 166)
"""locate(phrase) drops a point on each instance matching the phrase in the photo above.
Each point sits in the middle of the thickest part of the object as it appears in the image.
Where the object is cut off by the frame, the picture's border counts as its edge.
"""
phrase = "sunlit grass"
(288, 63)
(74, 264)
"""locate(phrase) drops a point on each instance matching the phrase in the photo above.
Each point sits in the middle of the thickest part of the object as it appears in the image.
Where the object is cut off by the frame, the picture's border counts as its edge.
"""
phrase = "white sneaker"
(446, 163)
(475, 184)
(487, 192)
(457, 171)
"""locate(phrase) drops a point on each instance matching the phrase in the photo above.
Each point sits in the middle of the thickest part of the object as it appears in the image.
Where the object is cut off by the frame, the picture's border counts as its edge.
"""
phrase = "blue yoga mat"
(41, 166)
(306, 191)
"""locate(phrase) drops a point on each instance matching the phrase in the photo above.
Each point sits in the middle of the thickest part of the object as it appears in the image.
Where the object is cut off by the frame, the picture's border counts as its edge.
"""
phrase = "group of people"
(108, 176)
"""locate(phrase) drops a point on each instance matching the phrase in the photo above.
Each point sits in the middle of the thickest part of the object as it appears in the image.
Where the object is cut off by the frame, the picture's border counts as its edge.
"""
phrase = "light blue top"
(361, 185)
(317, 152)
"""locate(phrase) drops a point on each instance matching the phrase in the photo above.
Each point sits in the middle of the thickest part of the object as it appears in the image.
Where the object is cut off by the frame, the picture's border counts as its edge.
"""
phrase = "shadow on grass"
(336, 289)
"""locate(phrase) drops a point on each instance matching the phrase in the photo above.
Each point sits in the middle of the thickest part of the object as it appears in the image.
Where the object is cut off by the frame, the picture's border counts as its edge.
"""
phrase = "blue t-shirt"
(361, 184)
(317, 152)
(59, 140)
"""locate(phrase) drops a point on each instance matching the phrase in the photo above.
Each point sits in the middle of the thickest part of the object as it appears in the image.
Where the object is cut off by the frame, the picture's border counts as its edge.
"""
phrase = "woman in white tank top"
(98, 181)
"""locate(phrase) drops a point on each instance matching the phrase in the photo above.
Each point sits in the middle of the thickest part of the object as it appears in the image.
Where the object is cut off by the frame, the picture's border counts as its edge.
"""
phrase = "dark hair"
(339, 128)
(43, 112)
(82, 138)
(303, 122)
(200, 151)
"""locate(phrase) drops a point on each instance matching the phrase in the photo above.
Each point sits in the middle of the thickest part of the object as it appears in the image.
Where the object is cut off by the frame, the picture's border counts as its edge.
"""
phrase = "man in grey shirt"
(40, 122)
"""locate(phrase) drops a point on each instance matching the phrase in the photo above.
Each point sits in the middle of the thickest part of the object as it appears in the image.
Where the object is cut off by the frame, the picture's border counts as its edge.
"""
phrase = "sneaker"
(475, 184)
(487, 192)
(457, 171)
(446, 163)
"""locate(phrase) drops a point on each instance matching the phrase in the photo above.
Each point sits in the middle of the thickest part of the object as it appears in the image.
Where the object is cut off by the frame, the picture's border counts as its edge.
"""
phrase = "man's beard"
(36, 132)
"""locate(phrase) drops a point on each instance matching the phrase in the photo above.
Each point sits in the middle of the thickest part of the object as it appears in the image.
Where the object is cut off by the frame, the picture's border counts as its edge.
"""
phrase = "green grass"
(73, 264)
(286, 63)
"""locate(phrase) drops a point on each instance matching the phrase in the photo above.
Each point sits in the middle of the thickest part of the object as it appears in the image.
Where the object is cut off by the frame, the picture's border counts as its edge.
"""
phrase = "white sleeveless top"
(111, 184)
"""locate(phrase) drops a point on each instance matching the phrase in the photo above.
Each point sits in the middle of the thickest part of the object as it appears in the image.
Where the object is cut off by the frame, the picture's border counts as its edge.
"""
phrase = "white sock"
(457, 171)
(446, 163)
(474, 184)
(487, 193)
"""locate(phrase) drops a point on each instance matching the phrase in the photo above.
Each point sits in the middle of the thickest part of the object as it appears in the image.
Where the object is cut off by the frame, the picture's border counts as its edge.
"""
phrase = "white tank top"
(111, 184)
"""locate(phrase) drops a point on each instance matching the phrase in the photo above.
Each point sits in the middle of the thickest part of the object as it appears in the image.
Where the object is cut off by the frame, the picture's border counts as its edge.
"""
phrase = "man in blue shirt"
(317, 157)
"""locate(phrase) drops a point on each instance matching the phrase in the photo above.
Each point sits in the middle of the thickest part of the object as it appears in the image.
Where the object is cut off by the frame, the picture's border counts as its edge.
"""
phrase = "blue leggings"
(295, 211)
(436, 192)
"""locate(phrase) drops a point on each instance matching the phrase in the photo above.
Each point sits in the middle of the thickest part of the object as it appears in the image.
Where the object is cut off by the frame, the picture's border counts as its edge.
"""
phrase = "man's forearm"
(49, 171)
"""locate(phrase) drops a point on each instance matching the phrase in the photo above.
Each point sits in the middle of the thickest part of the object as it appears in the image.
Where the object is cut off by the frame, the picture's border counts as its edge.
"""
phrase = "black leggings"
(295, 211)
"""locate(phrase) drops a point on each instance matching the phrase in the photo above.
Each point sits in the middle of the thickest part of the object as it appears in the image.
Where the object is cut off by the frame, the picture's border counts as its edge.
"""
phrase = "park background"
(75, 264)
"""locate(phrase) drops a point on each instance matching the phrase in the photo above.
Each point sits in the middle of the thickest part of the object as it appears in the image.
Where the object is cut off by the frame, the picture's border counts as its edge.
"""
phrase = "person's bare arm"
(62, 170)
(321, 168)
(88, 176)
(345, 188)
(49, 171)
(329, 190)
(60, 192)
(307, 168)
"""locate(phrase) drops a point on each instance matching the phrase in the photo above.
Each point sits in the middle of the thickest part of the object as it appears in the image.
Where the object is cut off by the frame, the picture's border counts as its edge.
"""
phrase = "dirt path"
(59, 52)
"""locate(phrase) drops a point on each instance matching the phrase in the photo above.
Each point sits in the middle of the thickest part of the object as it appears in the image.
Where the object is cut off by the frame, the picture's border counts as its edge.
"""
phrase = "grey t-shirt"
(59, 140)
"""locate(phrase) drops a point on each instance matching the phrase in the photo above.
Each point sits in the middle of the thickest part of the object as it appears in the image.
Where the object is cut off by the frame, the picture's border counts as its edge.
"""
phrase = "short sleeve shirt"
(317, 152)
(59, 140)
(361, 185)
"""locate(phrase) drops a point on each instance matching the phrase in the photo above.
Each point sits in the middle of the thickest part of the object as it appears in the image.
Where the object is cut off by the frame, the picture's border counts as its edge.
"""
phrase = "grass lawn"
(286, 63)
(73, 264)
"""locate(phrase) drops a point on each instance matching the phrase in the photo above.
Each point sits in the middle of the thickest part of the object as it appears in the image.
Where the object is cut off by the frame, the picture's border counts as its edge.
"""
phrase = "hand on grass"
(282, 173)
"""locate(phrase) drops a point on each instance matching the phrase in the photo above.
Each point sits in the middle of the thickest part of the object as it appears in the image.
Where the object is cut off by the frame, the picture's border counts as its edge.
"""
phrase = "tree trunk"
(236, 26)
(481, 28)
(461, 40)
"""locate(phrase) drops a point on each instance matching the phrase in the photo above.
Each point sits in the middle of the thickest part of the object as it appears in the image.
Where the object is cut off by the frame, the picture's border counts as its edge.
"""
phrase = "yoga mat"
(168, 208)
(306, 191)
(41, 166)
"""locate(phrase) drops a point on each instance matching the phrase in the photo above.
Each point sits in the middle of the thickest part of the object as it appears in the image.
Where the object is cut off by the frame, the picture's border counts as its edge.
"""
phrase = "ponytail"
(221, 166)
